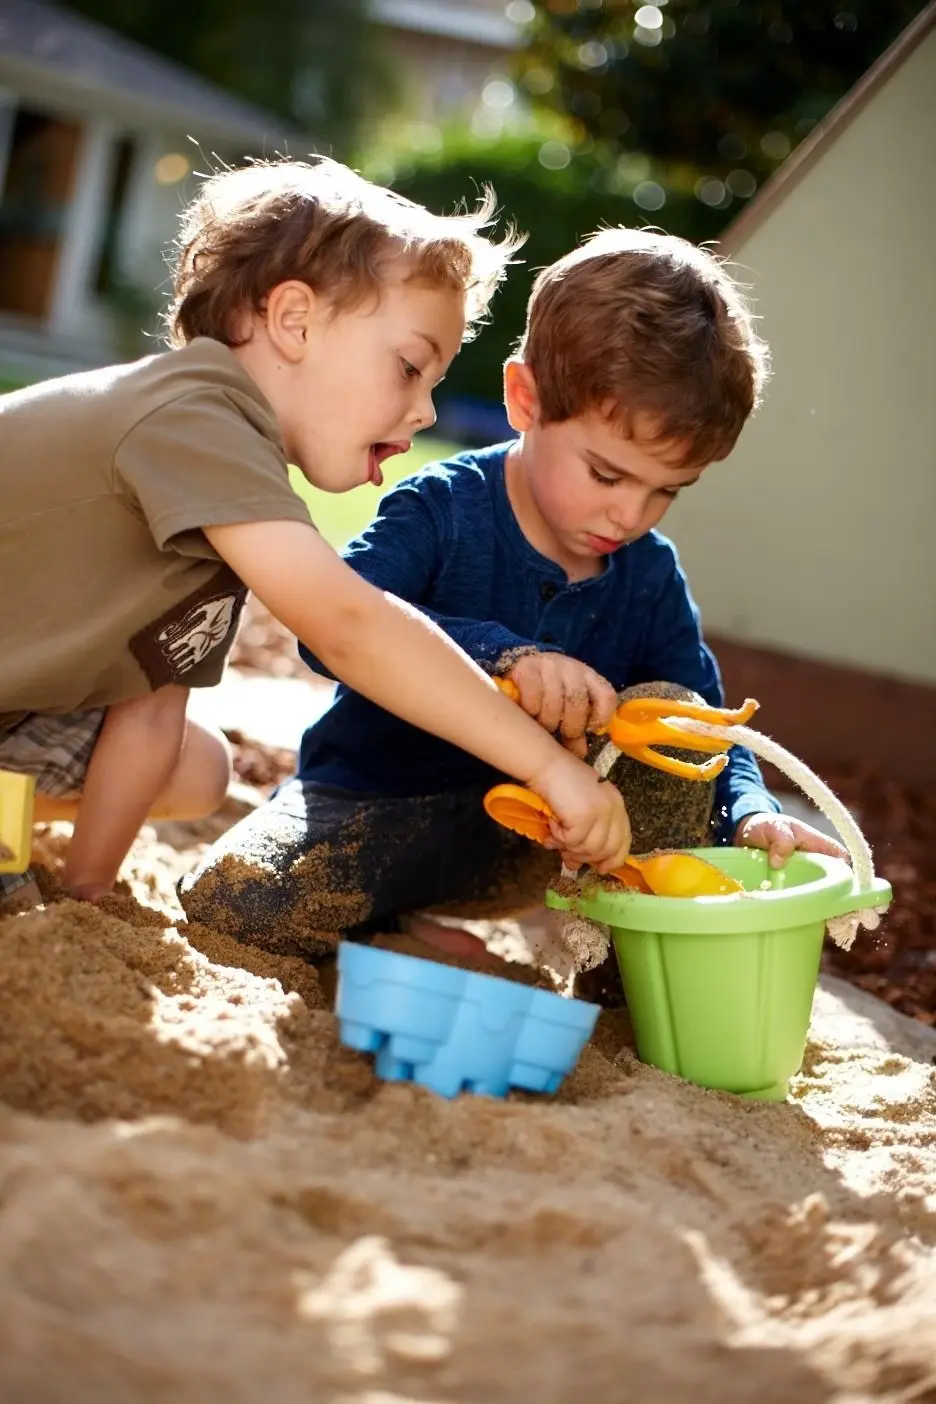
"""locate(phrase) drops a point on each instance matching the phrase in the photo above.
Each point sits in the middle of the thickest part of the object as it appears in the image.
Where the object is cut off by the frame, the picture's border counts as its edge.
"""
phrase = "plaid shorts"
(56, 750)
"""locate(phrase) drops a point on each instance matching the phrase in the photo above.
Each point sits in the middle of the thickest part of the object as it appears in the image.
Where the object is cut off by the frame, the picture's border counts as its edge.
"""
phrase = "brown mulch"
(264, 646)
(897, 962)
(259, 765)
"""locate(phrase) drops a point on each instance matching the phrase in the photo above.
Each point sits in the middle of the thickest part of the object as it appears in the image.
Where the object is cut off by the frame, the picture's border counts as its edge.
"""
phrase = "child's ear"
(290, 311)
(520, 396)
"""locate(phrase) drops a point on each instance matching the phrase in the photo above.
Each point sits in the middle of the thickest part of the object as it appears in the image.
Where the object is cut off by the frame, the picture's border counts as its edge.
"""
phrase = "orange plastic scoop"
(663, 874)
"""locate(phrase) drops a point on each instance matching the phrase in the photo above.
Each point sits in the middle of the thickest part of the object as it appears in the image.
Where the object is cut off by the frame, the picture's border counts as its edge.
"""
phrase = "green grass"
(341, 515)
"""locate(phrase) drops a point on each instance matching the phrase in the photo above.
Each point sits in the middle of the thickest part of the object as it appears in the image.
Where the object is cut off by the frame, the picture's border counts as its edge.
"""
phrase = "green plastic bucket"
(720, 989)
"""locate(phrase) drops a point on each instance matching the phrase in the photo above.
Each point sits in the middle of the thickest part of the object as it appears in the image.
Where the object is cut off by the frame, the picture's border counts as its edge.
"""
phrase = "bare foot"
(452, 939)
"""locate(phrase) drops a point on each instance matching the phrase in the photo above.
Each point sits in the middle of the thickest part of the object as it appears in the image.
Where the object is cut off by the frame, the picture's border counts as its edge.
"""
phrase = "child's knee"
(201, 779)
(232, 896)
(214, 772)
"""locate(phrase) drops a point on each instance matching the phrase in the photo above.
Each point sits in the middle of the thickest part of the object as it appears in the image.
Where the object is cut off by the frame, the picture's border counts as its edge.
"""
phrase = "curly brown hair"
(635, 322)
(254, 227)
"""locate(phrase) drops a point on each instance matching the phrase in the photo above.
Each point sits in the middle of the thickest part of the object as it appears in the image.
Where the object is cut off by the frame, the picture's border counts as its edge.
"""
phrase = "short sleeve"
(200, 460)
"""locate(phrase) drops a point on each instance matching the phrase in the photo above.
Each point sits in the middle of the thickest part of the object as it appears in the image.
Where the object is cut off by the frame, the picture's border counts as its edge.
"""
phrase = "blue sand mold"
(452, 1030)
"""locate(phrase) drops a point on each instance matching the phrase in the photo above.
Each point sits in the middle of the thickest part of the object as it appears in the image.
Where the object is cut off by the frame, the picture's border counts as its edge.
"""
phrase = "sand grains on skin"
(204, 1197)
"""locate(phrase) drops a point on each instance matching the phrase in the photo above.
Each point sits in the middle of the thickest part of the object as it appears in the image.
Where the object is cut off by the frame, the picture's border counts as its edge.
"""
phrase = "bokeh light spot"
(741, 183)
(538, 81)
(776, 145)
(593, 55)
(497, 93)
(520, 12)
(171, 168)
(732, 146)
(649, 195)
(712, 192)
(554, 155)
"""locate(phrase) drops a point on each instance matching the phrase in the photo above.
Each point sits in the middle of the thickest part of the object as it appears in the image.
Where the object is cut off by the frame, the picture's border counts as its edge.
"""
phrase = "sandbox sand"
(204, 1198)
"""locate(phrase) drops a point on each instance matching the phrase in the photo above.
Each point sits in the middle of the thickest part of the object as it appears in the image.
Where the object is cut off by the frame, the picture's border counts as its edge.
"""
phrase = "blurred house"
(442, 52)
(812, 549)
(95, 163)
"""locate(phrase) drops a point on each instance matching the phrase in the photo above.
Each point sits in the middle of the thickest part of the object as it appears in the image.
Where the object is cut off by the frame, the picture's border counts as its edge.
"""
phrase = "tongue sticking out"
(378, 453)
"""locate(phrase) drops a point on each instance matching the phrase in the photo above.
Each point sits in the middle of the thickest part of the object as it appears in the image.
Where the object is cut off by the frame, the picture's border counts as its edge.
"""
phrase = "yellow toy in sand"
(664, 874)
(17, 794)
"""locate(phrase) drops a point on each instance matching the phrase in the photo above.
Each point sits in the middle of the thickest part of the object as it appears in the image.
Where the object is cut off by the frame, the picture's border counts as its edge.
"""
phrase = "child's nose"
(425, 413)
(629, 510)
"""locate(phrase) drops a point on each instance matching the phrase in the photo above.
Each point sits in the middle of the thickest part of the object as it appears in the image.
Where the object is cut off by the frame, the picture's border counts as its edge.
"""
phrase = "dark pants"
(317, 863)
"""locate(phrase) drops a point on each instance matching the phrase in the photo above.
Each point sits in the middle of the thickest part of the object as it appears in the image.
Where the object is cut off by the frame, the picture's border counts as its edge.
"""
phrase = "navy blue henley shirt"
(447, 541)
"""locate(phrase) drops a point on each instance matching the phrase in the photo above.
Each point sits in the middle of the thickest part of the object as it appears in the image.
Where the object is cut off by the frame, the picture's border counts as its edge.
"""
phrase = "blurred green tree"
(726, 86)
(314, 62)
(553, 194)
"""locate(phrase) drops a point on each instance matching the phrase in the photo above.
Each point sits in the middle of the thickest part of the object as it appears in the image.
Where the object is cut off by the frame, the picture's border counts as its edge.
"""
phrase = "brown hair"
(636, 322)
(251, 228)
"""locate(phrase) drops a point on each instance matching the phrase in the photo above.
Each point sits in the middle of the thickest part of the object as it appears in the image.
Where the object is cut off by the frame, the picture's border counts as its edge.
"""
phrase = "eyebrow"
(436, 348)
(609, 467)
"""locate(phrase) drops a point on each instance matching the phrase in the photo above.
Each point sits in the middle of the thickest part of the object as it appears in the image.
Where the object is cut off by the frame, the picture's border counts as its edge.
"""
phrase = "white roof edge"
(450, 21)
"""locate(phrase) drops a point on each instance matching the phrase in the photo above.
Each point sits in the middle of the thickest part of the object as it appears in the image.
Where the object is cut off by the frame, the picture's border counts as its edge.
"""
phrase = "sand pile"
(204, 1198)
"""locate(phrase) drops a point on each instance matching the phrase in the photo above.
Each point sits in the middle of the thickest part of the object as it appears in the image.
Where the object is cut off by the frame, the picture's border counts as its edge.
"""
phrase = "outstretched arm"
(402, 551)
(393, 655)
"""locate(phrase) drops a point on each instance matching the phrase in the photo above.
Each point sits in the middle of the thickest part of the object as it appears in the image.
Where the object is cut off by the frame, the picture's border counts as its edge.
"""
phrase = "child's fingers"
(812, 841)
(602, 842)
(530, 682)
(603, 700)
(89, 891)
(552, 704)
(576, 708)
(573, 843)
(782, 841)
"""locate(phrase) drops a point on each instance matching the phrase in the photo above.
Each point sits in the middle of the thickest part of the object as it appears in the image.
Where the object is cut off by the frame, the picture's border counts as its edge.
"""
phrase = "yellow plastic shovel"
(17, 793)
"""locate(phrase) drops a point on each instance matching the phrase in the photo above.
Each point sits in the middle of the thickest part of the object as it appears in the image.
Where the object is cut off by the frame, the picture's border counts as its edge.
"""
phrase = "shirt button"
(548, 590)
(548, 639)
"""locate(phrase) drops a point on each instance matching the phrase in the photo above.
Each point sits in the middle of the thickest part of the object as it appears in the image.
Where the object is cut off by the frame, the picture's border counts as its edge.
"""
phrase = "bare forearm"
(135, 756)
(388, 650)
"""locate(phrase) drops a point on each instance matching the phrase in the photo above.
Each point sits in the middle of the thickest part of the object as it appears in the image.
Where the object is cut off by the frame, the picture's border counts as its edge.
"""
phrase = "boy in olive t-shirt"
(313, 315)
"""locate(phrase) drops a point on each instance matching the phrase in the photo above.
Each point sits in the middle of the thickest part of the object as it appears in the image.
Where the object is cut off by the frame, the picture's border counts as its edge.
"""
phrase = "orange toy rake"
(637, 727)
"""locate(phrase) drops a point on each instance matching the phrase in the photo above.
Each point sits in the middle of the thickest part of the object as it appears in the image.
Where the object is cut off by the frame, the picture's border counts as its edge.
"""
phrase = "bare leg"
(197, 787)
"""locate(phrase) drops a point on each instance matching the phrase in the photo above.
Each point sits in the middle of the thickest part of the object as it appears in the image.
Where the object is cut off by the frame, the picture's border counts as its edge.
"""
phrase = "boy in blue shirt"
(638, 368)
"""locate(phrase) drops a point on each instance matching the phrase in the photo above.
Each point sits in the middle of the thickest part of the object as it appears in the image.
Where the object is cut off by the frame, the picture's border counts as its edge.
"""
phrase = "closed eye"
(601, 478)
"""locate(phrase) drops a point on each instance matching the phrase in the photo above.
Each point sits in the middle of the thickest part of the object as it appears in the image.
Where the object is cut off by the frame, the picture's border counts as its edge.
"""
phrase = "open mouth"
(378, 454)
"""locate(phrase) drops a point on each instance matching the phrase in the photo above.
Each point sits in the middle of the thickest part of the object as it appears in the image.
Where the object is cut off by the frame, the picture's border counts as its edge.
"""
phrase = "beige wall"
(818, 536)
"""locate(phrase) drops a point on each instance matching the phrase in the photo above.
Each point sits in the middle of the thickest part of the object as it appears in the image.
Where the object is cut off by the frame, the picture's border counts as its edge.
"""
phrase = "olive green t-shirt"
(108, 586)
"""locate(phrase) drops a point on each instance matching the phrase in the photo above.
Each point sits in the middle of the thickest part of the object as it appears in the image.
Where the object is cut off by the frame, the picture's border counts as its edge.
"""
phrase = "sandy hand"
(591, 823)
(564, 696)
(782, 836)
(89, 891)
